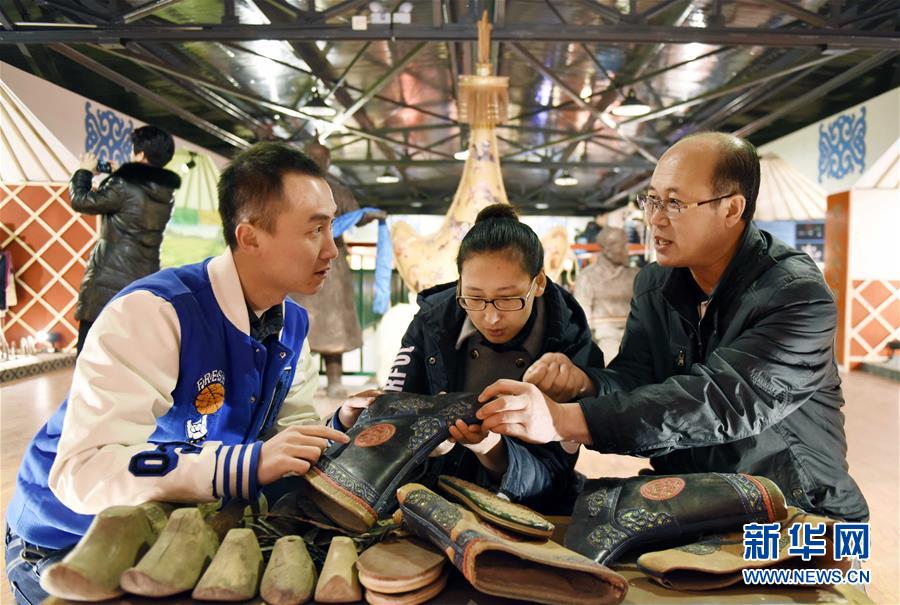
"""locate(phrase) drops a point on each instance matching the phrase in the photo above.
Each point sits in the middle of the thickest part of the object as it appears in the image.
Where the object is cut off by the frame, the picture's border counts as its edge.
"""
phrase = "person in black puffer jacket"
(503, 319)
(136, 201)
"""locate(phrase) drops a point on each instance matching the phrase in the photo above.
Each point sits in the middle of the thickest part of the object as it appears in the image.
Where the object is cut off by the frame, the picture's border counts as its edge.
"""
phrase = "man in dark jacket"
(136, 201)
(727, 363)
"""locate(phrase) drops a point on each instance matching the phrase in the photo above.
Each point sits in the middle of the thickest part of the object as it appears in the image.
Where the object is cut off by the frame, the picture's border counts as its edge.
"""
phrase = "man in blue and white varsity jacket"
(188, 374)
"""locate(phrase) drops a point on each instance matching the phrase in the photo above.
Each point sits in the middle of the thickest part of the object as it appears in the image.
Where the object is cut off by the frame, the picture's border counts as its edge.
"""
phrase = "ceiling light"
(541, 206)
(565, 180)
(416, 204)
(316, 106)
(462, 155)
(388, 178)
(697, 19)
(630, 107)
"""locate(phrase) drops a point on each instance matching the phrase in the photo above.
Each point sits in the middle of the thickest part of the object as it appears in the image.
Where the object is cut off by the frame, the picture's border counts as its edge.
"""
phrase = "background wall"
(836, 151)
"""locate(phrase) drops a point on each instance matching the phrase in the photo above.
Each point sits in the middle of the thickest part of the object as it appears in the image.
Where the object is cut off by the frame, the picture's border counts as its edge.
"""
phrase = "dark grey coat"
(135, 202)
(752, 388)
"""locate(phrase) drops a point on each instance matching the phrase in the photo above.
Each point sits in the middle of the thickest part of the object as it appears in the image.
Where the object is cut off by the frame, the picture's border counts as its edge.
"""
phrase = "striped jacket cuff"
(236, 471)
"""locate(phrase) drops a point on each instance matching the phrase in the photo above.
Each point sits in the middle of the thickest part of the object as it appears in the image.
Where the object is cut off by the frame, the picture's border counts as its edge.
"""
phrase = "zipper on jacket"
(265, 420)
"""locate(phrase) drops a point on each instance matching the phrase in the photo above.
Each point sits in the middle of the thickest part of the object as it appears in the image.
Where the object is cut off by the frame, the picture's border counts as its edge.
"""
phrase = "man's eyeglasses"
(506, 303)
(651, 204)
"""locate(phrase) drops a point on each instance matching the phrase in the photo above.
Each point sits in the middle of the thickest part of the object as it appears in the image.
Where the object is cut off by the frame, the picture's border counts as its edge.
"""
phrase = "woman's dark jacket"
(751, 388)
(135, 202)
(539, 476)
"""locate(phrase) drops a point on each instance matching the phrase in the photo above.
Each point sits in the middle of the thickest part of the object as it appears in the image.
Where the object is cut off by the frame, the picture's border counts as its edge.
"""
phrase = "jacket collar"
(226, 287)
(749, 262)
(137, 172)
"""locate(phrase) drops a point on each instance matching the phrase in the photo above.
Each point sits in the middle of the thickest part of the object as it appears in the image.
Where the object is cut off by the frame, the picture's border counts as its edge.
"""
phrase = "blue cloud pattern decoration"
(842, 146)
(107, 135)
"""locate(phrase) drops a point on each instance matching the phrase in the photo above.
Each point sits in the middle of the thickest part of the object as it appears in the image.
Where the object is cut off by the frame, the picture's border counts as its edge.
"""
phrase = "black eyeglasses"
(650, 204)
(507, 303)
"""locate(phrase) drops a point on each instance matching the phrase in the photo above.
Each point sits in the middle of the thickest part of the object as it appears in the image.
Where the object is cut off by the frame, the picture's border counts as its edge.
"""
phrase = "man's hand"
(559, 378)
(520, 410)
(88, 161)
(474, 437)
(353, 406)
(294, 450)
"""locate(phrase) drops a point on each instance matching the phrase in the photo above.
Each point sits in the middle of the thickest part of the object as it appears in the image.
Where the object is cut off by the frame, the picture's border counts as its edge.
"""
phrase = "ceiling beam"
(610, 15)
(889, 10)
(5, 21)
(619, 83)
(650, 13)
(367, 95)
(338, 10)
(747, 100)
(789, 37)
(319, 64)
(343, 77)
(348, 86)
(42, 65)
(726, 90)
(632, 163)
(797, 12)
(573, 94)
(289, 10)
(572, 138)
(256, 100)
(211, 98)
(146, 93)
(146, 9)
(817, 92)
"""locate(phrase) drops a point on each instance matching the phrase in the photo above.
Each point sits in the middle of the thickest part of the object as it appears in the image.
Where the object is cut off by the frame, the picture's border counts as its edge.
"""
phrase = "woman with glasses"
(503, 319)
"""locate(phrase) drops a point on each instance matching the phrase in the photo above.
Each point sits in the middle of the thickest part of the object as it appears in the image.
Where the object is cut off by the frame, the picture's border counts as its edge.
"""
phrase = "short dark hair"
(737, 170)
(250, 186)
(497, 228)
(157, 145)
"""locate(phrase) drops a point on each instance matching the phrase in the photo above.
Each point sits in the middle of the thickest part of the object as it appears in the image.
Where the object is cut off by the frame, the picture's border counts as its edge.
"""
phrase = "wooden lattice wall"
(50, 244)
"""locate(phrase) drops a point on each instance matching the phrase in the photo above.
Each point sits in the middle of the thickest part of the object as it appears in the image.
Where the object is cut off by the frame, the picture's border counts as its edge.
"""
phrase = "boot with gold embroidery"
(718, 561)
(503, 564)
(354, 484)
(613, 517)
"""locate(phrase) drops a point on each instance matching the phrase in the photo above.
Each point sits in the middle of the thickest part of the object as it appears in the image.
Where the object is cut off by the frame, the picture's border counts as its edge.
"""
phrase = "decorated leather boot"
(355, 484)
(718, 561)
(507, 565)
(616, 516)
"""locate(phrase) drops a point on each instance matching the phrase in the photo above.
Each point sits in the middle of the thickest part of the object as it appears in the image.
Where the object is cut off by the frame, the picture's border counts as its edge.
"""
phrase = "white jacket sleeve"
(123, 382)
(298, 406)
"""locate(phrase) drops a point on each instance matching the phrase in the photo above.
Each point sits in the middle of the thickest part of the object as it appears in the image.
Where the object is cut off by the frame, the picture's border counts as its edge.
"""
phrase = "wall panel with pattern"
(50, 244)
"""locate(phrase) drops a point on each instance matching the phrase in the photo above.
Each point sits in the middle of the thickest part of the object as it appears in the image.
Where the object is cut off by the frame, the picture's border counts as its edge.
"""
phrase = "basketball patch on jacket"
(210, 392)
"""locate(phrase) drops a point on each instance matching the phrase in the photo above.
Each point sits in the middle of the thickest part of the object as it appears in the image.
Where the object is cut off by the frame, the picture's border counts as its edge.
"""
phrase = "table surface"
(640, 590)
